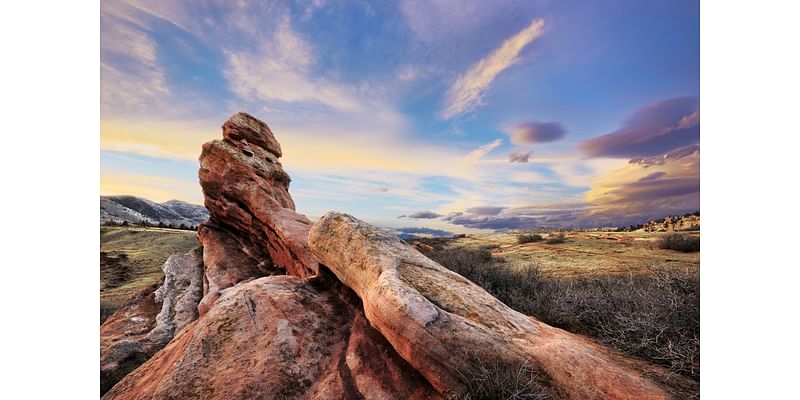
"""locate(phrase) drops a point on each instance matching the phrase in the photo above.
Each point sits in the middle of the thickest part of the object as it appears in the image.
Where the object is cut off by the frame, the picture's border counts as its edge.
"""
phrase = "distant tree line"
(146, 224)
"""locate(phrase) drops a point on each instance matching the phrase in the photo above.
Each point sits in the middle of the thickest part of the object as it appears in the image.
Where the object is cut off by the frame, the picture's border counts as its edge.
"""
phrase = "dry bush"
(494, 380)
(654, 316)
(529, 238)
(556, 238)
(679, 242)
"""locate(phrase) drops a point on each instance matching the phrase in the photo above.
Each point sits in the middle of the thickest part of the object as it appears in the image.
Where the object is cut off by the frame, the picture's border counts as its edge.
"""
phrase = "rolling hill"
(136, 209)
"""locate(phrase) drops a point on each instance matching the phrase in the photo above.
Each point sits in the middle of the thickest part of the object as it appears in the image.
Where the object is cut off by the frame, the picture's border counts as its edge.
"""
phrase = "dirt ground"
(586, 253)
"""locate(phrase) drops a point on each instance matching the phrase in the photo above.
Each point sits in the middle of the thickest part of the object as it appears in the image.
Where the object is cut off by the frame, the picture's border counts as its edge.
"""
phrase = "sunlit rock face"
(247, 195)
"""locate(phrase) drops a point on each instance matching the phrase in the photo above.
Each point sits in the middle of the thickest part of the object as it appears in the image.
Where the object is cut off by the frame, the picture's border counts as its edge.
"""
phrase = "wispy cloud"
(480, 152)
(467, 92)
(280, 71)
(136, 82)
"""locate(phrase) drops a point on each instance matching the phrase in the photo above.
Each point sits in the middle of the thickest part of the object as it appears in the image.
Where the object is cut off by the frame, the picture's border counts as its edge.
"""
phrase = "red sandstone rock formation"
(278, 337)
(275, 337)
(390, 324)
(227, 262)
(443, 324)
(246, 194)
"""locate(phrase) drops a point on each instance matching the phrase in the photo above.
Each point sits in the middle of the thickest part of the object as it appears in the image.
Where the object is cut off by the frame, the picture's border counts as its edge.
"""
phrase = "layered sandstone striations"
(253, 228)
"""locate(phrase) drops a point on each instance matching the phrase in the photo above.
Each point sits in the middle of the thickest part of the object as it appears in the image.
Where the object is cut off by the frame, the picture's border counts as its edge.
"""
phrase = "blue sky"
(458, 116)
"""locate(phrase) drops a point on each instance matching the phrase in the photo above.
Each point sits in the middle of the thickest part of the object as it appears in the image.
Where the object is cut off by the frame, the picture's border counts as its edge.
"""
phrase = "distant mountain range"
(134, 209)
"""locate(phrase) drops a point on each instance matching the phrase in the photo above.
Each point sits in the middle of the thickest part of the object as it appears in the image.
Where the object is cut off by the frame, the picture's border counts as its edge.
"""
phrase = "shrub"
(528, 238)
(556, 238)
(654, 316)
(493, 380)
(679, 242)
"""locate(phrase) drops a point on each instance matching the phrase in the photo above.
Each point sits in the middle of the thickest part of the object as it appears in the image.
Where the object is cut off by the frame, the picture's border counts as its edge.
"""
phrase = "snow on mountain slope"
(136, 209)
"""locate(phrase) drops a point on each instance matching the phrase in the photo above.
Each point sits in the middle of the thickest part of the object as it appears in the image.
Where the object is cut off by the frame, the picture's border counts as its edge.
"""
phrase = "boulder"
(278, 337)
(445, 326)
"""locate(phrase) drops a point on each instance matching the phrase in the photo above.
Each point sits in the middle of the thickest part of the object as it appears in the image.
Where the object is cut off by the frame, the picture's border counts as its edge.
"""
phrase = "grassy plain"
(585, 253)
(134, 256)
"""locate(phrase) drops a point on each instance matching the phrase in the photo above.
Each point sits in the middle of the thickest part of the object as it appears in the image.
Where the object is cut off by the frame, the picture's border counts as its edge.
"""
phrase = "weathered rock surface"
(246, 194)
(442, 324)
(123, 337)
(227, 263)
(278, 337)
(148, 321)
(179, 295)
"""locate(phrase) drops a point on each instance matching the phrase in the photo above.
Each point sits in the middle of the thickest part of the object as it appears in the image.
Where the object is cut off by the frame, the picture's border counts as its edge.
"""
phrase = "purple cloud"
(536, 132)
(652, 177)
(652, 130)
(519, 157)
(492, 222)
(486, 210)
(410, 232)
(674, 155)
(422, 215)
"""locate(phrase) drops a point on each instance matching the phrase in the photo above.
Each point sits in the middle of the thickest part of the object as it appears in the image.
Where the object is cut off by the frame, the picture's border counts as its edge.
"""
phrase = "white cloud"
(467, 92)
(280, 71)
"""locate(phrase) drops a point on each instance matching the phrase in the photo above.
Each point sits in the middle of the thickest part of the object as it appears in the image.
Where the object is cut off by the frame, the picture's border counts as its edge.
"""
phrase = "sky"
(423, 116)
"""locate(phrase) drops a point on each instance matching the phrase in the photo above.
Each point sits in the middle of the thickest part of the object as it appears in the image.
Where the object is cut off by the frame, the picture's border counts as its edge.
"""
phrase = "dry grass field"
(131, 259)
(585, 253)
(621, 288)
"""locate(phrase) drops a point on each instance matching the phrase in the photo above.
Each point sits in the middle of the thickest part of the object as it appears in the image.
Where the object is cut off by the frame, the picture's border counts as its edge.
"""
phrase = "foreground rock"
(123, 337)
(148, 321)
(444, 325)
(278, 337)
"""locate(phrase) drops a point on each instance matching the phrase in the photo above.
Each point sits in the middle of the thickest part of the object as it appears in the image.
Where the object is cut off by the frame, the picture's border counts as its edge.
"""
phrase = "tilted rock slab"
(278, 337)
(147, 321)
(247, 195)
(443, 324)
